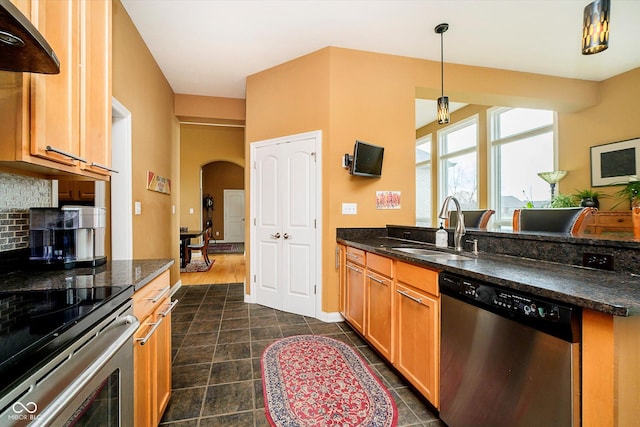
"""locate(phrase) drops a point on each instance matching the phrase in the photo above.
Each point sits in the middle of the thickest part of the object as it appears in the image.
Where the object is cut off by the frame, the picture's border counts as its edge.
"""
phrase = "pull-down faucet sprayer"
(460, 230)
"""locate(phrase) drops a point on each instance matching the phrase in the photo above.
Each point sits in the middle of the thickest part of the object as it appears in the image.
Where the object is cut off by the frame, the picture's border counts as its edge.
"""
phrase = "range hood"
(22, 47)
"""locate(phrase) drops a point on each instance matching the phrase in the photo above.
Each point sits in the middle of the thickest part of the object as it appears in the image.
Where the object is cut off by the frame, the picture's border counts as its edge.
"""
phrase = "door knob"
(287, 236)
(275, 236)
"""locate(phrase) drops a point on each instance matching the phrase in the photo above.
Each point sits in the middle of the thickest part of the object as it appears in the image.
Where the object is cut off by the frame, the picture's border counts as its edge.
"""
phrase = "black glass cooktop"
(36, 325)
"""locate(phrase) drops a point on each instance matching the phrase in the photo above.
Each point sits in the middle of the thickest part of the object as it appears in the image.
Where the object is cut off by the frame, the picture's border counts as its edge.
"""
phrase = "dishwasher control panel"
(527, 309)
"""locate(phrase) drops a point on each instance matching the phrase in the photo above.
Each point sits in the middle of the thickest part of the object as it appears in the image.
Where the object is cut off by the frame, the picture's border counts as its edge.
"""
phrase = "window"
(522, 144)
(423, 181)
(458, 163)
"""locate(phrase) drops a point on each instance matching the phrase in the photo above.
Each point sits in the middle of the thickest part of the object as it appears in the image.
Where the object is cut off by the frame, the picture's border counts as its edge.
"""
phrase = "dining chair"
(553, 220)
(477, 218)
(203, 247)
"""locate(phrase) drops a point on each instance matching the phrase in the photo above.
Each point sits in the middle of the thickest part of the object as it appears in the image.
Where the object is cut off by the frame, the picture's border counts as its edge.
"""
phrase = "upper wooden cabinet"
(61, 123)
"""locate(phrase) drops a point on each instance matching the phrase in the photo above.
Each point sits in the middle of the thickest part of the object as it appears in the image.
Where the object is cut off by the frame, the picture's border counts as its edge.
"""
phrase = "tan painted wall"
(192, 107)
(199, 146)
(615, 118)
(351, 94)
(217, 177)
(141, 87)
(289, 99)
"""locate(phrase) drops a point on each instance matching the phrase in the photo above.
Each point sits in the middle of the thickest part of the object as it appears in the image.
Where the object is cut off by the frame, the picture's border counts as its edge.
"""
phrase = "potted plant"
(589, 198)
(631, 193)
(562, 201)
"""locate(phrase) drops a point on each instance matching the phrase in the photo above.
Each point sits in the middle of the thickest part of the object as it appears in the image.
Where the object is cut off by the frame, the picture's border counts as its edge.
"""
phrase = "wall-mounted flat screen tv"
(367, 159)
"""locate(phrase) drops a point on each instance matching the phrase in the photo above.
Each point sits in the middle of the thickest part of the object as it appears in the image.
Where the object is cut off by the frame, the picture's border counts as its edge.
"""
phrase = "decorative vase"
(590, 202)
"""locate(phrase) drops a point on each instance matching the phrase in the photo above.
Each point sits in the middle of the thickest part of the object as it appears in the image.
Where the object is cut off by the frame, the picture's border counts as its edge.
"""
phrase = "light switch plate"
(349, 208)
(137, 208)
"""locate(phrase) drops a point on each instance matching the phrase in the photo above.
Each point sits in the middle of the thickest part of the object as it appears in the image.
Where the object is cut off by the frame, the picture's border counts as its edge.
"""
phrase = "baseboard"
(330, 317)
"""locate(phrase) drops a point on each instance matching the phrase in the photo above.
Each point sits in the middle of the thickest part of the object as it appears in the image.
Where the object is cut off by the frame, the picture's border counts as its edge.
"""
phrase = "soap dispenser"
(442, 237)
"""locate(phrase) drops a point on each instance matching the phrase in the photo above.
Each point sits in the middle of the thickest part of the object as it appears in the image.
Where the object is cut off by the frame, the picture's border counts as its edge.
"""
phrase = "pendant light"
(443, 101)
(595, 27)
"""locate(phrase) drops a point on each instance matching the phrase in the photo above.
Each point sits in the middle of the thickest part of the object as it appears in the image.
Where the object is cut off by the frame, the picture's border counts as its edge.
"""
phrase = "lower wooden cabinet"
(417, 353)
(417, 329)
(379, 303)
(395, 306)
(354, 302)
(152, 351)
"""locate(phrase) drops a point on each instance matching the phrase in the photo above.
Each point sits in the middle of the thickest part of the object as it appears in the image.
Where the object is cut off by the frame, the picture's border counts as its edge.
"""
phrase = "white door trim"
(121, 191)
(253, 203)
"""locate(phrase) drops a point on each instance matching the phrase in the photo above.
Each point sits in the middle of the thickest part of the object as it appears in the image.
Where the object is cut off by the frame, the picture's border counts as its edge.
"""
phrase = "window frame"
(426, 139)
(473, 119)
(493, 158)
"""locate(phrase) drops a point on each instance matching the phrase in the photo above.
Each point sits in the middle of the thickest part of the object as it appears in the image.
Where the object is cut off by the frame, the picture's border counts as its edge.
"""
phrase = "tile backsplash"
(17, 195)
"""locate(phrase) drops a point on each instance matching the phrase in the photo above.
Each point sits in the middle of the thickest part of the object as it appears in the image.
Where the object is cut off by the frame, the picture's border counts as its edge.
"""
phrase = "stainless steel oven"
(88, 383)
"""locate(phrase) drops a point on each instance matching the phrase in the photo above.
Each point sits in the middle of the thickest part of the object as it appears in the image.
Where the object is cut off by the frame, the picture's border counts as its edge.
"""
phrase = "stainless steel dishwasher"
(507, 358)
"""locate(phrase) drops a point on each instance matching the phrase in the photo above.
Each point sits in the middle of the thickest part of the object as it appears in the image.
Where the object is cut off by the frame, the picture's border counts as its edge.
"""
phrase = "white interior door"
(233, 215)
(284, 202)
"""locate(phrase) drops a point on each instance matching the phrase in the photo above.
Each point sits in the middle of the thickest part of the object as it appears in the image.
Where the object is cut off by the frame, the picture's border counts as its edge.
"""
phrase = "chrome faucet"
(460, 230)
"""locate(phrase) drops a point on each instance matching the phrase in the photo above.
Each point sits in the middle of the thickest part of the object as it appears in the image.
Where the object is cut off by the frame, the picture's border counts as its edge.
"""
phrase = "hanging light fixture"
(443, 101)
(595, 27)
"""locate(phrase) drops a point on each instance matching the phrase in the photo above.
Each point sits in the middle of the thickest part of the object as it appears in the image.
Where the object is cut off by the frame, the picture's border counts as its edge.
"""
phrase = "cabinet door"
(354, 309)
(143, 369)
(417, 335)
(341, 267)
(163, 358)
(378, 323)
(95, 94)
(55, 111)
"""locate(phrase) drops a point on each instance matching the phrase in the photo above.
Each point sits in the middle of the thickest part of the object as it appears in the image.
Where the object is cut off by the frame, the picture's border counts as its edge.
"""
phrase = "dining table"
(185, 238)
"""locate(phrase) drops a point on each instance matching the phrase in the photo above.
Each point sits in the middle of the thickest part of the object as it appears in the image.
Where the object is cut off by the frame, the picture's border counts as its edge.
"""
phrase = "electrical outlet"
(349, 209)
(600, 261)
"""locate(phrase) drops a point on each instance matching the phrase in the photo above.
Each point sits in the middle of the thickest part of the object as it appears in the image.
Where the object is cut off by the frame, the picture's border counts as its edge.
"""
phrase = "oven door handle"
(52, 411)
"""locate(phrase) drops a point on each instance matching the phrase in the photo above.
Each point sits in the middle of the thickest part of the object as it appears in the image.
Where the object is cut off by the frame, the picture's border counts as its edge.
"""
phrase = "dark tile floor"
(217, 343)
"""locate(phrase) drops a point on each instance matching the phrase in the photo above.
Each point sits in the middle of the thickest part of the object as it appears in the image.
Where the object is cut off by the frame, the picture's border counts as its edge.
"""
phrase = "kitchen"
(137, 80)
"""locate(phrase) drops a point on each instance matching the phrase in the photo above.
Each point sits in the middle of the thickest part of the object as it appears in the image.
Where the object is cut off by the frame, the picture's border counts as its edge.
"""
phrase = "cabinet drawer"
(380, 264)
(151, 296)
(420, 278)
(618, 219)
(355, 255)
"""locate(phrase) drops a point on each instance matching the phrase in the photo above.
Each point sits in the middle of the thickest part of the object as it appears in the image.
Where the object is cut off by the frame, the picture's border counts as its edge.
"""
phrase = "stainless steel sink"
(432, 255)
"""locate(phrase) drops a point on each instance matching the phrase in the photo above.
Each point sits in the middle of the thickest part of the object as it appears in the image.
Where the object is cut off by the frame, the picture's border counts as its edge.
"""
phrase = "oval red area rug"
(312, 380)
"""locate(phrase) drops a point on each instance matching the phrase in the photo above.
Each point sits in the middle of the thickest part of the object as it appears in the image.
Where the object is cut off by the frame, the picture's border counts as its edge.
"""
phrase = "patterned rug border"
(225, 248)
(345, 350)
(197, 266)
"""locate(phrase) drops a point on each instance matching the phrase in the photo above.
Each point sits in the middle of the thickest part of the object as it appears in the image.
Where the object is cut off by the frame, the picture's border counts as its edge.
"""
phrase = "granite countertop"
(136, 273)
(616, 293)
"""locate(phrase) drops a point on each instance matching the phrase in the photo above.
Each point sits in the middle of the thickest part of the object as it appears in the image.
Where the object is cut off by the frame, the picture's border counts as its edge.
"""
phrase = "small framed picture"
(614, 163)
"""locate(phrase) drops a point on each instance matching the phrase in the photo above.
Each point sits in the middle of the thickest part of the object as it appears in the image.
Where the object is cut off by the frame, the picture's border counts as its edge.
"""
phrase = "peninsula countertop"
(136, 273)
(615, 293)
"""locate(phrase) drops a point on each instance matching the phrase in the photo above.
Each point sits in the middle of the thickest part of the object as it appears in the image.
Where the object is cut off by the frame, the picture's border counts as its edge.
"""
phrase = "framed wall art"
(614, 163)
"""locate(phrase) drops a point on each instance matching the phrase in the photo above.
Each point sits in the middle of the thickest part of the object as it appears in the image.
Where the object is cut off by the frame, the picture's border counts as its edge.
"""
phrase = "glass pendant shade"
(443, 110)
(595, 27)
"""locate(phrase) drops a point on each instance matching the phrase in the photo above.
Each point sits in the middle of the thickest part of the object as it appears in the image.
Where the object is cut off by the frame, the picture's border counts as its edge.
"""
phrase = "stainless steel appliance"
(507, 358)
(67, 356)
(67, 237)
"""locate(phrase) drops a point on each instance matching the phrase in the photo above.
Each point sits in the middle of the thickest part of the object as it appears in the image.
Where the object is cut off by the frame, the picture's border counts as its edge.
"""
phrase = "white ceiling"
(209, 47)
